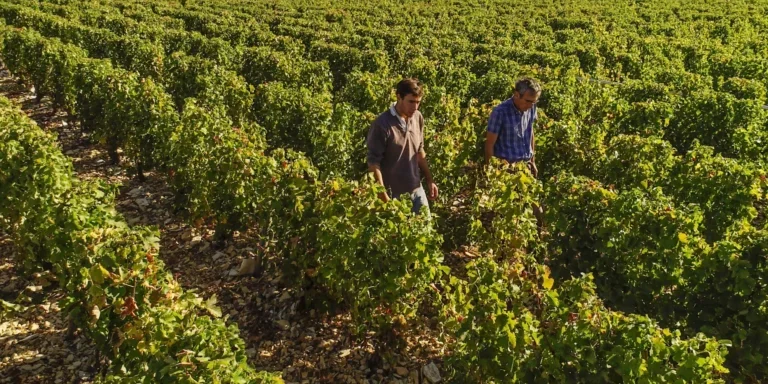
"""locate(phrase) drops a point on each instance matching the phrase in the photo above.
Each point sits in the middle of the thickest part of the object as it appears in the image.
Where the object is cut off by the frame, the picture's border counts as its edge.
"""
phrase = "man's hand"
(376, 170)
(532, 167)
(424, 167)
(490, 141)
(433, 191)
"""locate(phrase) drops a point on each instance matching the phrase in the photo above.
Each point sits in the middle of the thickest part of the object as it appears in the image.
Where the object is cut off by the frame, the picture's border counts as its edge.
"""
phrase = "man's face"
(408, 104)
(526, 102)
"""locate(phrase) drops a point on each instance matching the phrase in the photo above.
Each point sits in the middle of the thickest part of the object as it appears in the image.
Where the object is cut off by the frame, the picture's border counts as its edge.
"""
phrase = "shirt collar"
(401, 121)
(513, 106)
(393, 111)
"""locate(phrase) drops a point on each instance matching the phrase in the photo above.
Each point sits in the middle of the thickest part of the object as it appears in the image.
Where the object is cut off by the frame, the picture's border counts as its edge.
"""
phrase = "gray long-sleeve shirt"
(394, 149)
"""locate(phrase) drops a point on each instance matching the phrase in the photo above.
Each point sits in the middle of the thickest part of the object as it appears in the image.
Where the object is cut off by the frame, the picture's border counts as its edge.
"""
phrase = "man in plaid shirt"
(510, 127)
(510, 132)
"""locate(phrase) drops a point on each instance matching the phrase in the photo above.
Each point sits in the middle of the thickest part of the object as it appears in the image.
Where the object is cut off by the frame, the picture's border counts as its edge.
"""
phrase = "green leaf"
(726, 343)
(98, 273)
(210, 306)
(553, 300)
(548, 282)
(10, 307)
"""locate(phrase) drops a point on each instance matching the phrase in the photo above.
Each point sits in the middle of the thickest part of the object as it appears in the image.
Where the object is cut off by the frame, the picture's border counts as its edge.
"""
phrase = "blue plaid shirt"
(515, 130)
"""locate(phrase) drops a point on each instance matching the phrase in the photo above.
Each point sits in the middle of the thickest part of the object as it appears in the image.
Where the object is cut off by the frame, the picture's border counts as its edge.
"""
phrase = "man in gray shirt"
(396, 148)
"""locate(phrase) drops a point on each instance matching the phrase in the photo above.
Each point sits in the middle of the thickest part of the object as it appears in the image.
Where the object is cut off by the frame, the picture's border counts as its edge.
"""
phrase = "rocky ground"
(35, 345)
(281, 332)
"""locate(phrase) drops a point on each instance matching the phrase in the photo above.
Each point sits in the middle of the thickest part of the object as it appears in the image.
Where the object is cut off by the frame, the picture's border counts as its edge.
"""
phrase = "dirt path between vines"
(34, 344)
(308, 347)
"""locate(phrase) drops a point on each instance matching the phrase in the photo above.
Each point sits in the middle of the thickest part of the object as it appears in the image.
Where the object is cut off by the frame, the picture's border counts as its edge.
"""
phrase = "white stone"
(247, 267)
(142, 203)
(283, 324)
(413, 378)
(34, 288)
(186, 235)
(431, 372)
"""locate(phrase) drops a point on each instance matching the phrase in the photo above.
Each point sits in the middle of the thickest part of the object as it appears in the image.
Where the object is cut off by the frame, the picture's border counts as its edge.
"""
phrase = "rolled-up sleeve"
(495, 121)
(377, 143)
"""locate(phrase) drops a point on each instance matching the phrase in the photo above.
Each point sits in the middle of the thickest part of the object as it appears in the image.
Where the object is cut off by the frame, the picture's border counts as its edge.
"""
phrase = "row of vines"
(654, 188)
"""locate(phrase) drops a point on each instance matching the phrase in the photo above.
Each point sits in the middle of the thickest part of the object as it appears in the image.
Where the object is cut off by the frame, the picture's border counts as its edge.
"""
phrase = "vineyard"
(250, 117)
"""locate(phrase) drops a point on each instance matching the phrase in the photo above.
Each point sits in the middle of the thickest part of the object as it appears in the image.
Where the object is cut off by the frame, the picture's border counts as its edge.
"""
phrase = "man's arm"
(490, 141)
(533, 133)
(421, 157)
(376, 143)
(376, 169)
(492, 134)
(534, 169)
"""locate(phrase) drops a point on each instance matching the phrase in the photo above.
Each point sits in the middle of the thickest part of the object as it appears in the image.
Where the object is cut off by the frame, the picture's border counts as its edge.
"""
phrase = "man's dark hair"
(526, 85)
(410, 86)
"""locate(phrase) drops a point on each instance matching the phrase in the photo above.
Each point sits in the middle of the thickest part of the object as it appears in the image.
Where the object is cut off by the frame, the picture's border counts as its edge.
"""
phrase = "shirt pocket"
(516, 126)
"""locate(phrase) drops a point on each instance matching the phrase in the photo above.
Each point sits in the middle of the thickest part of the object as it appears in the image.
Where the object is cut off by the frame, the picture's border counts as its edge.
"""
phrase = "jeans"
(419, 199)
